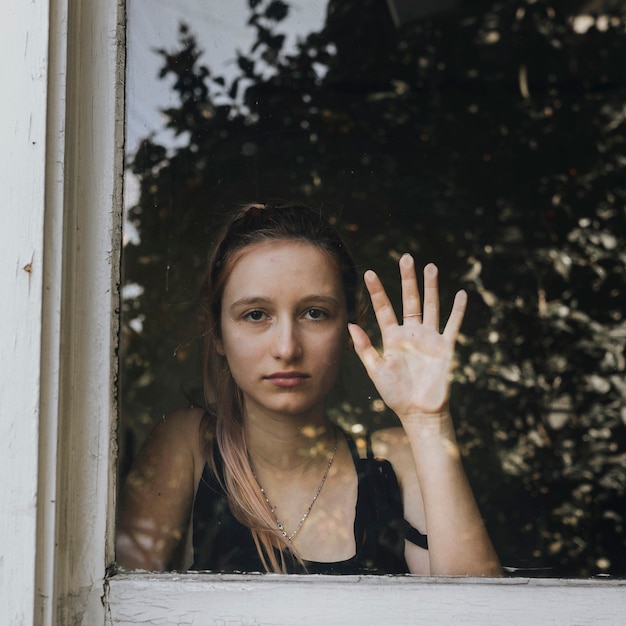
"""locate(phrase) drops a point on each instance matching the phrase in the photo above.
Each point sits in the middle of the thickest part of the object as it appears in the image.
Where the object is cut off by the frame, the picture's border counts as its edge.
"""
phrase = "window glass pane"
(486, 137)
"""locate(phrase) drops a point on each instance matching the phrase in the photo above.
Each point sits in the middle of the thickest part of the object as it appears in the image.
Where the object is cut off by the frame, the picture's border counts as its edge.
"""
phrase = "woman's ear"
(219, 348)
(217, 344)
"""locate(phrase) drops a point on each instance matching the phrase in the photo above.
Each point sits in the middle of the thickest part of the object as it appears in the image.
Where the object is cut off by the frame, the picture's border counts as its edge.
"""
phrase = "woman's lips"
(287, 379)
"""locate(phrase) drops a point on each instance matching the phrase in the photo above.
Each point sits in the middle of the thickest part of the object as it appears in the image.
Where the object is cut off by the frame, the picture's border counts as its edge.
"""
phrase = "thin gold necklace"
(289, 536)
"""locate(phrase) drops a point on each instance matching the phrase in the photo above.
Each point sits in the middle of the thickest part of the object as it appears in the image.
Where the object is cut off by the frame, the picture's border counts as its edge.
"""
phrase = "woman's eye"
(316, 314)
(255, 316)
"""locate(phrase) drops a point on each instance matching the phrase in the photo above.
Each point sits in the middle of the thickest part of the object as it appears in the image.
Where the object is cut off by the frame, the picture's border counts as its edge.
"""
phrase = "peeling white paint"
(340, 601)
(23, 54)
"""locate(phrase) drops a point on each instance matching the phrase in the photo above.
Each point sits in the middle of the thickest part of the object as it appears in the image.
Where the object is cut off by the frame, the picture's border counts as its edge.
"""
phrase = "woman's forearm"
(457, 537)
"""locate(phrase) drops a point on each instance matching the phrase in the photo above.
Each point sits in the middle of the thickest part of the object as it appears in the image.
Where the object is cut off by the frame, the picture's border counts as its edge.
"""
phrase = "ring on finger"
(412, 315)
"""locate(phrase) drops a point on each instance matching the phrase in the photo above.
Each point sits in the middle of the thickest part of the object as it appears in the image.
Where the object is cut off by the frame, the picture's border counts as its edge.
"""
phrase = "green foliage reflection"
(489, 139)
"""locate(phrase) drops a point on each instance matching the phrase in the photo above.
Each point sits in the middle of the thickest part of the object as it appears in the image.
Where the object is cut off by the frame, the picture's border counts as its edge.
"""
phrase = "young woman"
(263, 478)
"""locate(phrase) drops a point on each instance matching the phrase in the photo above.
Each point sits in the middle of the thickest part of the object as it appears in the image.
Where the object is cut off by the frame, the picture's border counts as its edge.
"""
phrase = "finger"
(431, 296)
(385, 315)
(363, 347)
(411, 304)
(453, 326)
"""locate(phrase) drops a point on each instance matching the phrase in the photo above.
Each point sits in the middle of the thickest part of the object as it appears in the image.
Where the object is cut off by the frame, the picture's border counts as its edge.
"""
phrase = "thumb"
(363, 347)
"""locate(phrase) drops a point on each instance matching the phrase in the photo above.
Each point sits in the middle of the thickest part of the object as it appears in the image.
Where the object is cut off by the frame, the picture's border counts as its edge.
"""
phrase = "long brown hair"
(254, 224)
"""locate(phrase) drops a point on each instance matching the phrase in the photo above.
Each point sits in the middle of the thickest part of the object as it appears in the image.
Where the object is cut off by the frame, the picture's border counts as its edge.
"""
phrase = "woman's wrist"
(426, 420)
(426, 425)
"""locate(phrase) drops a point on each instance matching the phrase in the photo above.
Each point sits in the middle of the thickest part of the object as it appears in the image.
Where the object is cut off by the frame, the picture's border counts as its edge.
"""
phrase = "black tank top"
(222, 544)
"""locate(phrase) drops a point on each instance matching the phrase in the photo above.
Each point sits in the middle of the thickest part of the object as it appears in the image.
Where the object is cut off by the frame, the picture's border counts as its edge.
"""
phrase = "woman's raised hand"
(412, 374)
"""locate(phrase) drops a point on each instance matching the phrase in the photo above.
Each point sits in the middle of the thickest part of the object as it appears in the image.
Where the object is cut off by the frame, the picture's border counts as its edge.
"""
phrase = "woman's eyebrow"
(262, 300)
(250, 301)
(317, 298)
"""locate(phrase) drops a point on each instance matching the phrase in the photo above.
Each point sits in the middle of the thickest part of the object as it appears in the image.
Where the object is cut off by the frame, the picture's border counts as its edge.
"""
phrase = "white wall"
(23, 59)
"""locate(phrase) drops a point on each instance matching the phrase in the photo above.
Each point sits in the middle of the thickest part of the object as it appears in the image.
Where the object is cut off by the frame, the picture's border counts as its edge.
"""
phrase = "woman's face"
(284, 327)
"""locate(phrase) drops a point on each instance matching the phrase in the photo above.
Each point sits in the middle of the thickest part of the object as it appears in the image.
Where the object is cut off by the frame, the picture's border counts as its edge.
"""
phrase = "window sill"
(273, 599)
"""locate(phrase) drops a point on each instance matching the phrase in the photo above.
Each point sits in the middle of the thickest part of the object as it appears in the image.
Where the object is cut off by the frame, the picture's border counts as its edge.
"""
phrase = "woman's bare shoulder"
(185, 418)
(182, 427)
(391, 444)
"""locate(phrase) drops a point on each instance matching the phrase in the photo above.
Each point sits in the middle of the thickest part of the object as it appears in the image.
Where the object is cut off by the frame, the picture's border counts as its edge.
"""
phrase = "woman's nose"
(286, 344)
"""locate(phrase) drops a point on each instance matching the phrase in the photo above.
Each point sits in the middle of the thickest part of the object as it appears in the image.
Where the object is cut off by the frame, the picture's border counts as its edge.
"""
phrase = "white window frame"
(61, 171)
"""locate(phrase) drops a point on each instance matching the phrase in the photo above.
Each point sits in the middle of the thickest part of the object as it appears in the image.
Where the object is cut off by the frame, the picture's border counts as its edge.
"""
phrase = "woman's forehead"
(273, 264)
(302, 254)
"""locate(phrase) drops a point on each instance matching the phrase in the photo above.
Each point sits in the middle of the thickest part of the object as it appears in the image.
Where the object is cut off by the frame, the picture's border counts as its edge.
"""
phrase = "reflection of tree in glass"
(489, 139)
